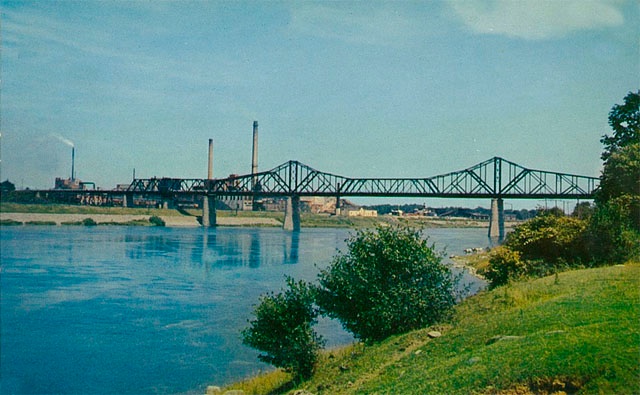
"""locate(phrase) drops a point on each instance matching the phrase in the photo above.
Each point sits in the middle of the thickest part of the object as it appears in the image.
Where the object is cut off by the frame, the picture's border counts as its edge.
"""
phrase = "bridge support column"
(338, 210)
(209, 214)
(127, 200)
(292, 214)
(496, 221)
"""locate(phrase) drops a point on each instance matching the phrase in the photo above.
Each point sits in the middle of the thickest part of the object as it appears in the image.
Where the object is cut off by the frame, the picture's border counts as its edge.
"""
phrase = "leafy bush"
(551, 238)
(612, 237)
(282, 329)
(390, 281)
(504, 265)
(89, 222)
(156, 221)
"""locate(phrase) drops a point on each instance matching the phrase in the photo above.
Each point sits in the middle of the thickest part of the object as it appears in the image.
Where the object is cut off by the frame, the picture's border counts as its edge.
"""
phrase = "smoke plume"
(64, 140)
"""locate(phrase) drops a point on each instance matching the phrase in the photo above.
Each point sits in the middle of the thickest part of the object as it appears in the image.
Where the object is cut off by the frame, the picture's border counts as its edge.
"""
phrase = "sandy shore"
(170, 220)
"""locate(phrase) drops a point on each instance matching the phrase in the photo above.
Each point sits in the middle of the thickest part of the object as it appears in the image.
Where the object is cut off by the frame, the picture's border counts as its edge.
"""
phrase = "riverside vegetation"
(308, 220)
(574, 331)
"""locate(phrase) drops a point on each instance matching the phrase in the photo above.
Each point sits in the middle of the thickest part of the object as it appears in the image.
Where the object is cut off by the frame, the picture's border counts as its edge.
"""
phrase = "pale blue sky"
(363, 89)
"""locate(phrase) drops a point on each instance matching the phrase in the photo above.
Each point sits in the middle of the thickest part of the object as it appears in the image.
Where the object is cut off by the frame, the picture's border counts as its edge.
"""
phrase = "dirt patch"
(542, 386)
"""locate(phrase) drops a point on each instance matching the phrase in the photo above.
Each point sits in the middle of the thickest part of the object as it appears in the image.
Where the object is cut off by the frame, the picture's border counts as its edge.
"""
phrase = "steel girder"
(495, 177)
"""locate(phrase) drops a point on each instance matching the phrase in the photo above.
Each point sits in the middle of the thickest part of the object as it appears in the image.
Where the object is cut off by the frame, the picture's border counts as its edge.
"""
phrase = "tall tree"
(615, 226)
(624, 120)
(621, 170)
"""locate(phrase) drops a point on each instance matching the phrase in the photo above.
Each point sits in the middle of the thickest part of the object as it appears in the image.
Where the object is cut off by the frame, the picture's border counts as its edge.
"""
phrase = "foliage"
(282, 329)
(621, 173)
(543, 245)
(614, 230)
(390, 281)
(156, 221)
(620, 182)
(550, 238)
(89, 222)
(504, 265)
(574, 333)
(624, 120)
(611, 236)
(583, 211)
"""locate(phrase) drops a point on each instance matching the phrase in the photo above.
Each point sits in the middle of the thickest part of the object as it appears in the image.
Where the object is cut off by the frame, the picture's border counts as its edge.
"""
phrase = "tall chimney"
(73, 163)
(254, 161)
(210, 172)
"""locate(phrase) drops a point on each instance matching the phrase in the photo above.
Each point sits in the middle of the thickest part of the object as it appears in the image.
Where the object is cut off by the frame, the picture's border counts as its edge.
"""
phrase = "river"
(131, 310)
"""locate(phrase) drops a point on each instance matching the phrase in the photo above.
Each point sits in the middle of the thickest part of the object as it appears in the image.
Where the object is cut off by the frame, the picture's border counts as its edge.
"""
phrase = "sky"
(359, 89)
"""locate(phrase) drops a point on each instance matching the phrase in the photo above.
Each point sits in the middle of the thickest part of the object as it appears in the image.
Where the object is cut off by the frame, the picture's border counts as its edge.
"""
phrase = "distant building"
(362, 213)
(319, 204)
(67, 183)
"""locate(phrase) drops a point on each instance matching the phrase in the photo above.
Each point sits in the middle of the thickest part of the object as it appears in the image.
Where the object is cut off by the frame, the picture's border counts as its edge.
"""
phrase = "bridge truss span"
(493, 178)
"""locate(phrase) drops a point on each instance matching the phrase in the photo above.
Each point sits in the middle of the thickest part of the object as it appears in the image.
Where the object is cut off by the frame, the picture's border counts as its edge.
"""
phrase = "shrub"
(504, 265)
(612, 236)
(550, 238)
(282, 329)
(89, 222)
(156, 221)
(390, 281)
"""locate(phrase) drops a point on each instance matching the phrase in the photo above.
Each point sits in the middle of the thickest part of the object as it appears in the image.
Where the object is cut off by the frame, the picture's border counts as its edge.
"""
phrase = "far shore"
(126, 219)
(18, 214)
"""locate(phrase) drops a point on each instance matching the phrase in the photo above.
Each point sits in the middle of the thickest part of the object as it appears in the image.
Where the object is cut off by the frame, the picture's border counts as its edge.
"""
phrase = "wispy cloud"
(44, 35)
(360, 25)
(535, 19)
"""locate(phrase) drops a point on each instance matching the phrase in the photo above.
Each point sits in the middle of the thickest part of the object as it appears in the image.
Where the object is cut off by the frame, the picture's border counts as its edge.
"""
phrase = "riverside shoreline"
(126, 219)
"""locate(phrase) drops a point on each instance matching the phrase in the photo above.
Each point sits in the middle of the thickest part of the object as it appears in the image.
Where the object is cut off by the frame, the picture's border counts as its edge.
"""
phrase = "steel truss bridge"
(493, 178)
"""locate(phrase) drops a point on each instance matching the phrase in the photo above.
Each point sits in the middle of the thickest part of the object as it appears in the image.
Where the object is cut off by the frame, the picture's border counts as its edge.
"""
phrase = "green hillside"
(577, 332)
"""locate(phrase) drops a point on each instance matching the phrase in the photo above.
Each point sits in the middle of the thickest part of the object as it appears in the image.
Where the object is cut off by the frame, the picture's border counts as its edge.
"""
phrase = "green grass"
(10, 222)
(307, 220)
(6, 207)
(578, 332)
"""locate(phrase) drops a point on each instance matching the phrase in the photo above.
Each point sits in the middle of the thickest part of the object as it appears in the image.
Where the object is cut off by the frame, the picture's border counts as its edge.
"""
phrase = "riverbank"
(40, 214)
(124, 219)
(576, 332)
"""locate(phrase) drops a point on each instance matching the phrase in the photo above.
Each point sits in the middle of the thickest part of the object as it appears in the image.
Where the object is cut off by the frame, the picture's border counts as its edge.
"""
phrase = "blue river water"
(133, 310)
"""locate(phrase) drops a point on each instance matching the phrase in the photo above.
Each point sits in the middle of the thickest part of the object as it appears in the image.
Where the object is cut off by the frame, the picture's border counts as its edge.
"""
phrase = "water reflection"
(218, 247)
(150, 301)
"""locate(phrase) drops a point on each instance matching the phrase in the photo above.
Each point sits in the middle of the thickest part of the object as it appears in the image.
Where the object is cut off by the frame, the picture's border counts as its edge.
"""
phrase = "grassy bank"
(307, 220)
(577, 332)
(88, 210)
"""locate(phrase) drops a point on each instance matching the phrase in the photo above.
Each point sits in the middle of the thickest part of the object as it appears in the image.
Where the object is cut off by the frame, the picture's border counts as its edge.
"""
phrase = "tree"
(583, 211)
(283, 329)
(390, 281)
(620, 181)
(614, 229)
(621, 169)
(624, 119)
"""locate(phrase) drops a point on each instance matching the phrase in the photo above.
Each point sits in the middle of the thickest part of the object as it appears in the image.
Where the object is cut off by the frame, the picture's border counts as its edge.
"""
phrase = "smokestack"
(73, 163)
(210, 172)
(254, 161)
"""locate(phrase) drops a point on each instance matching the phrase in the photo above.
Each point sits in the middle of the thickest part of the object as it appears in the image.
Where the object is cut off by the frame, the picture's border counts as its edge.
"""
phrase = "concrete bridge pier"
(127, 200)
(292, 214)
(209, 215)
(496, 221)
